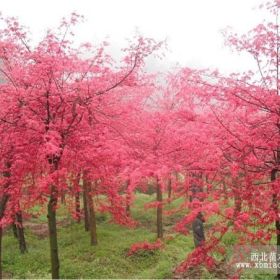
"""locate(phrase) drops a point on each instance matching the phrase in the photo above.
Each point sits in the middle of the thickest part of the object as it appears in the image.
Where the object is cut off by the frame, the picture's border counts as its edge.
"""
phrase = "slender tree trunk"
(15, 232)
(127, 208)
(86, 218)
(93, 233)
(277, 226)
(127, 198)
(159, 211)
(20, 232)
(277, 222)
(92, 216)
(237, 199)
(53, 233)
(186, 184)
(77, 199)
(224, 187)
(1, 235)
(63, 201)
(78, 206)
(169, 189)
(3, 204)
(237, 205)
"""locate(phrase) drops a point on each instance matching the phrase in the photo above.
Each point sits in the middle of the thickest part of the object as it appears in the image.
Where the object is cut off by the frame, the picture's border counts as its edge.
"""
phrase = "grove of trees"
(74, 125)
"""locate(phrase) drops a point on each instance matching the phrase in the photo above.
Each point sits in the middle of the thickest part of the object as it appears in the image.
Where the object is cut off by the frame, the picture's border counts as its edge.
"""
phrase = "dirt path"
(42, 230)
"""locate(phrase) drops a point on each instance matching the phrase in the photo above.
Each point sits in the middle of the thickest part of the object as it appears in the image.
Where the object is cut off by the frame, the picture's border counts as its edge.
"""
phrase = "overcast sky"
(192, 27)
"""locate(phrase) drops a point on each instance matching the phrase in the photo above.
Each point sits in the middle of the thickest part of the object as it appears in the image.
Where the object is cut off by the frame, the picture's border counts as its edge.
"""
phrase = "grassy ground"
(107, 260)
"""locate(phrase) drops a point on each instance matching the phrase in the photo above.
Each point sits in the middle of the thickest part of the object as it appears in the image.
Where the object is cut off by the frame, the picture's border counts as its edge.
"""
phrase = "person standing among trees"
(198, 230)
(197, 224)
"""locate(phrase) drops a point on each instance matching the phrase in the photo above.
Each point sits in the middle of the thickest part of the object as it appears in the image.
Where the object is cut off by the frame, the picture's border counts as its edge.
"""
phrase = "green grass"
(106, 260)
(78, 259)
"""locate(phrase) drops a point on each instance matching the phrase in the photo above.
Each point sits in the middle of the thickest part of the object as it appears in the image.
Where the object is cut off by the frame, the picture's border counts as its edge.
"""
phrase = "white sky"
(192, 27)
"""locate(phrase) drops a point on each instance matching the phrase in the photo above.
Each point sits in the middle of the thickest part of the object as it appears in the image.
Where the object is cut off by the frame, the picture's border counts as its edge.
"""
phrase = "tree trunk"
(92, 217)
(77, 199)
(127, 209)
(237, 205)
(63, 200)
(20, 233)
(169, 189)
(92, 223)
(277, 226)
(236, 197)
(78, 206)
(127, 198)
(159, 211)
(3, 204)
(53, 233)
(277, 222)
(86, 218)
(1, 235)
(15, 232)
